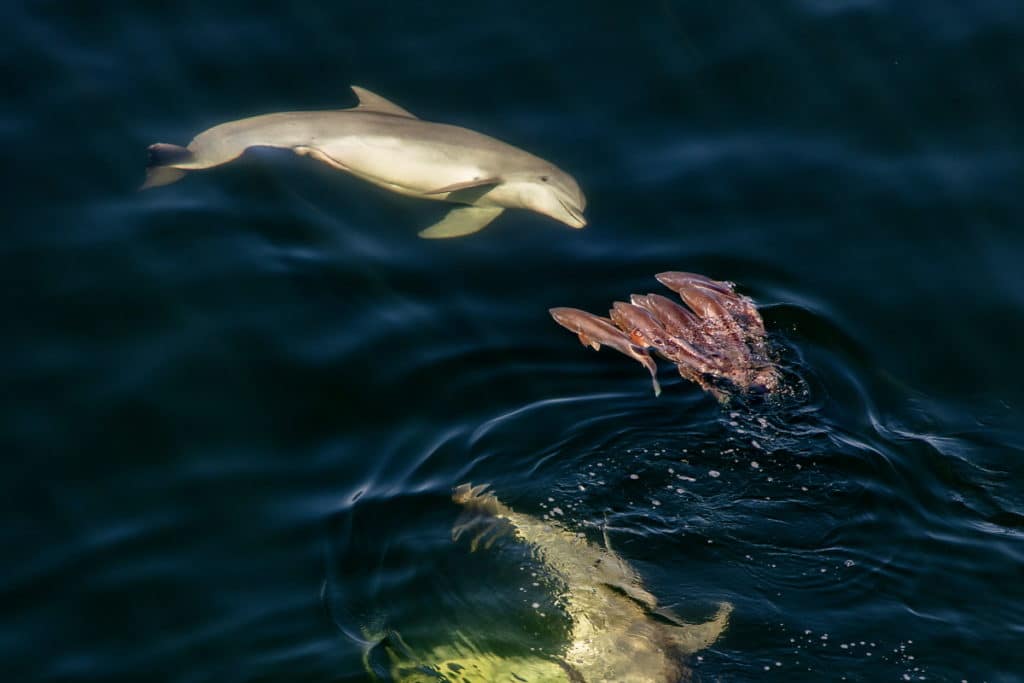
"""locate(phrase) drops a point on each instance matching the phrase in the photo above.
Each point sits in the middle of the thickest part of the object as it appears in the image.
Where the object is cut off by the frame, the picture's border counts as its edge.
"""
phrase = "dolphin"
(384, 144)
(619, 632)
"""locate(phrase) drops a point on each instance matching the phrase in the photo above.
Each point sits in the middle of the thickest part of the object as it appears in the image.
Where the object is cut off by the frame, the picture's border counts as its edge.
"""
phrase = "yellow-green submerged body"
(618, 633)
(462, 662)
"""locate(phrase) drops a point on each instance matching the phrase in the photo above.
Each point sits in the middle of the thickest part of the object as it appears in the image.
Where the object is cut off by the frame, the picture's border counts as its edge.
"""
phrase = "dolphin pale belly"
(384, 144)
(618, 635)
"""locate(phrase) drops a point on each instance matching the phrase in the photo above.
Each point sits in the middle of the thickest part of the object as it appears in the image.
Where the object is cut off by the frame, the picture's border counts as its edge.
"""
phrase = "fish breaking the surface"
(716, 340)
(386, 145)
(619, 634)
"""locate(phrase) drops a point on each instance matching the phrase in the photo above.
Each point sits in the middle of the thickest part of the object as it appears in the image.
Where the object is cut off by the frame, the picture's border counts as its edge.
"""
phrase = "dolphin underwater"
(384, 144)
(619, 633)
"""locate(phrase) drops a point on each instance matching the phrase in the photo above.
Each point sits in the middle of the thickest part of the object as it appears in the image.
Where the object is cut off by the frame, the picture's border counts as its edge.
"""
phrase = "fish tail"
(652, 367)
(657, 387)
(164, 159)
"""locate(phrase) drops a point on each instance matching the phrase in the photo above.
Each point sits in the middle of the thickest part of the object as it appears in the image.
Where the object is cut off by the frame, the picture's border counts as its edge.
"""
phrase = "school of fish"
(716, 340)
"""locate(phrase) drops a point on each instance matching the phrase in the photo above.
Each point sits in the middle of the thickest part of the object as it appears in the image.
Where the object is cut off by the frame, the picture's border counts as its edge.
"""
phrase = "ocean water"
(235, 407)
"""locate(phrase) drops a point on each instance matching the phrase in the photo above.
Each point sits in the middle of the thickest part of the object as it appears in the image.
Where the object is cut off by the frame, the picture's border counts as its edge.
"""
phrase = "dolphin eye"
(544, 178)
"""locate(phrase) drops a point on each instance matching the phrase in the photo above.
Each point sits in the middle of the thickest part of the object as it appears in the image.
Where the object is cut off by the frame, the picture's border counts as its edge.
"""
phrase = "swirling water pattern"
(236, 406)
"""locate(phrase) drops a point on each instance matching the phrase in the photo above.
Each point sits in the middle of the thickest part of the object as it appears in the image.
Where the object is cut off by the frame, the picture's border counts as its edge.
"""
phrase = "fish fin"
(161, 175)
(694, 637)
(587, 341)
(462, 220)
(465, 185)
(651, 366)
(369, 101)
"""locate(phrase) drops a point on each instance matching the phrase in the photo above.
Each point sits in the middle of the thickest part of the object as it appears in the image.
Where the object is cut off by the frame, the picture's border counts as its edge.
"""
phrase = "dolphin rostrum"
(384, 144)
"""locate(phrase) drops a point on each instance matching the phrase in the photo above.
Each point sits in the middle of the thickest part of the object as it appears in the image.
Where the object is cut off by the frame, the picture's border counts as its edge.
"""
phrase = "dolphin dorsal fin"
(369, 101)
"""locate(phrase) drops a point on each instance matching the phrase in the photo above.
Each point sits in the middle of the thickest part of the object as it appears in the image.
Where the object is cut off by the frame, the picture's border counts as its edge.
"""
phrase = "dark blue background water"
(234, 408)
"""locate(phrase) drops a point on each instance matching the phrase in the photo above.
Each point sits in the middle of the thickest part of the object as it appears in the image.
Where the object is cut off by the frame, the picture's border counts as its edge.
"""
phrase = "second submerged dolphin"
(619, 633)
(384, 144)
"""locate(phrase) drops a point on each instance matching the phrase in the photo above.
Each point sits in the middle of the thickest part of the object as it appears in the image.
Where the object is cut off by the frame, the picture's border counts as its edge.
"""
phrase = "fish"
(699, 289)
(643, 324)
(595, 331)
(386, 145)
(716, 340)
(618, 634)
(639, 325)
(734, 325)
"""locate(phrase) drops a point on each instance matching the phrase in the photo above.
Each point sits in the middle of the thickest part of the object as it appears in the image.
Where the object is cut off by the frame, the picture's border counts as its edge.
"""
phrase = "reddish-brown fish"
(716, 340)
(595, 331)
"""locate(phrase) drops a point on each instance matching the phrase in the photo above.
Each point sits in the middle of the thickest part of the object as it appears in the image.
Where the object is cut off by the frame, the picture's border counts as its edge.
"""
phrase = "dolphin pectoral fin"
(369, 101)
(634, 592)
(314, 153)
(463, 220)
(465, 185)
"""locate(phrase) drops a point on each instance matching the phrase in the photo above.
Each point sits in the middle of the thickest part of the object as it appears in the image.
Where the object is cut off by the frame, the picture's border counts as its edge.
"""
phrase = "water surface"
(235, 407)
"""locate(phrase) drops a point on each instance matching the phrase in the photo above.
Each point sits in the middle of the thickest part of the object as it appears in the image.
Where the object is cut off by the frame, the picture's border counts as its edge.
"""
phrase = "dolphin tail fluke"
(694, 637)
(163, 159)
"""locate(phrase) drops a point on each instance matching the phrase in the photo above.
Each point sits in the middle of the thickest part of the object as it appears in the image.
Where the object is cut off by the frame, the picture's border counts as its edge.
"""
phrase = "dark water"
(235, 407)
